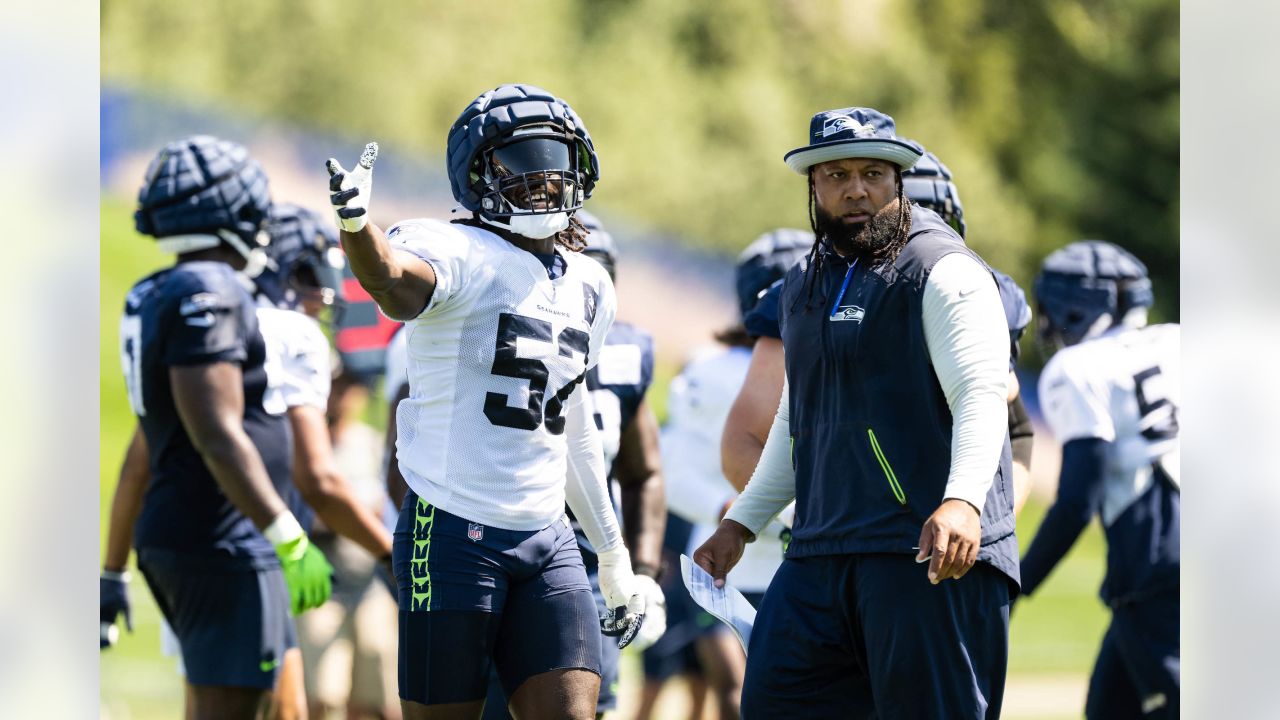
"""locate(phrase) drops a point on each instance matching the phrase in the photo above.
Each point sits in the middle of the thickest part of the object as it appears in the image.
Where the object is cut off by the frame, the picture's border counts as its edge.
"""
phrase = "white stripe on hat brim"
(801, 159)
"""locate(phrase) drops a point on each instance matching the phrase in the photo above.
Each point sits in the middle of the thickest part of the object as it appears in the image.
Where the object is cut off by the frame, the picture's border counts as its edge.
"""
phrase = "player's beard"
(868, 240)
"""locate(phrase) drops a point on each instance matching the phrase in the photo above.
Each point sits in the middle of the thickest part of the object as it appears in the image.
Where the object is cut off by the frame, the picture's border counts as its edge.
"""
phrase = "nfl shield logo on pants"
(475, 531)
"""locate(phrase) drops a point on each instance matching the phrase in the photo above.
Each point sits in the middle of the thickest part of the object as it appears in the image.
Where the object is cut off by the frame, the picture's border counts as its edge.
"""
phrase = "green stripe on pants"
(420, 572)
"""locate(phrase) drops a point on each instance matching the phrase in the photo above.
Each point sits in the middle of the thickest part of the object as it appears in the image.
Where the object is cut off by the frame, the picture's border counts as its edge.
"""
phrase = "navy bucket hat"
(853, 133)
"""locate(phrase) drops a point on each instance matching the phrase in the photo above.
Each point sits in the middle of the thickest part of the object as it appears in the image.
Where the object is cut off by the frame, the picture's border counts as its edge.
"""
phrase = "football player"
(629, 433)
(503, 318)
(928, 185)
(303, 282)
(1111, 395)
(697, 490)
(224, 557)
(302, 285)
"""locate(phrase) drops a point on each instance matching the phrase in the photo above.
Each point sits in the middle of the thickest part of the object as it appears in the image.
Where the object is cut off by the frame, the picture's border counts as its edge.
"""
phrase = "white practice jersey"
(298, 362)
(697, 407)
(491, 362)
(1124, 387)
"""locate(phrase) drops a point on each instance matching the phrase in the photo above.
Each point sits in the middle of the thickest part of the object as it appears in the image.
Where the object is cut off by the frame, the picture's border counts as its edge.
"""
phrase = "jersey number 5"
(1154, 427)
(508, 364)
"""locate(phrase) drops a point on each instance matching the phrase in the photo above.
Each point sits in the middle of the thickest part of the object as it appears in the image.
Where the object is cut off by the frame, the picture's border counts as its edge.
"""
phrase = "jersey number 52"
(508, 364)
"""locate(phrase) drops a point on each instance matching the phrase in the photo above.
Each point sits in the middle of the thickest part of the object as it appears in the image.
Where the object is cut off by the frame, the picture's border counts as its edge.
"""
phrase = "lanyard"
(843, 287)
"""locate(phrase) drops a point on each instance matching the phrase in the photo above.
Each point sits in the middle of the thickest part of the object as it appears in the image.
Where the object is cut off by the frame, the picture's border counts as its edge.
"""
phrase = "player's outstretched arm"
(316, 475)
(400, 283)
(126, 503)
(210, 402)
(747, 426)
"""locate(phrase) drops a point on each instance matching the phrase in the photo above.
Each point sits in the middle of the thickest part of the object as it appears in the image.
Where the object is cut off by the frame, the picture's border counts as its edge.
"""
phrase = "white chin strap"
(536, 227)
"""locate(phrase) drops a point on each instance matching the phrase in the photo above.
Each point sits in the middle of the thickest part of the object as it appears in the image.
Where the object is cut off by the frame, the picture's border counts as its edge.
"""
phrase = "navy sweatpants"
(863, 636)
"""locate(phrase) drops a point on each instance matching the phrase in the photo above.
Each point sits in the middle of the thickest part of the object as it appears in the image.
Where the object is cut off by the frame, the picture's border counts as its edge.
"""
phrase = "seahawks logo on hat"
(842, 123)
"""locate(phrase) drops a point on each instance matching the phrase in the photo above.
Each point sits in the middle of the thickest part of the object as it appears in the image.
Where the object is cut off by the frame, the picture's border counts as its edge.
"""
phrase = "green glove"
(306, 570)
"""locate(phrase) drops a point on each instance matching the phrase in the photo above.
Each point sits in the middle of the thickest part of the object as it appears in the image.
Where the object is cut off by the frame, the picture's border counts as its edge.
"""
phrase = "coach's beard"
(866, 240)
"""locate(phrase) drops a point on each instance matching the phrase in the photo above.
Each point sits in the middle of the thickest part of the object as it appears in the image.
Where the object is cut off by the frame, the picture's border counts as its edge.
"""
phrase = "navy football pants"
(1138, 668)
(867, 636)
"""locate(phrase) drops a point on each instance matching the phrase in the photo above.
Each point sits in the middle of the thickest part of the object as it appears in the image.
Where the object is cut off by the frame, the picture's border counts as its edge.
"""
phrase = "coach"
(892, 437)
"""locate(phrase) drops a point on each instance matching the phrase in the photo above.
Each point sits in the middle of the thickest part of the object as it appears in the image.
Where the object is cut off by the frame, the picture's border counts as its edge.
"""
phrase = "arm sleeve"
(585, 490)
(1080, 489)
(446, 249)
(773, 484)
(968, 340)
(209, 327)
(1021, 432)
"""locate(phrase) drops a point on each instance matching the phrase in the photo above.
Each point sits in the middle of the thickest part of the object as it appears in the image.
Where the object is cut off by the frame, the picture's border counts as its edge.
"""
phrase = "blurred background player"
(484, 553)
(302, 284)
(928, 185)
(300, 281)
(1111, 395)
(697, 490)
(349, 643)
(222, 554)
(335, 460)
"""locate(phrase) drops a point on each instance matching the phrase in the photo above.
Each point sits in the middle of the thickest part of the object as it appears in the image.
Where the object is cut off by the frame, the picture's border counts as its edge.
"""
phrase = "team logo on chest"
(848, 312)
(475, 531)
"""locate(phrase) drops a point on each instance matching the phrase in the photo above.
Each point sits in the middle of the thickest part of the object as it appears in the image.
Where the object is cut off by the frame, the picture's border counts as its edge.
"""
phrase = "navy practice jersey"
(618, 383)
(198, 313)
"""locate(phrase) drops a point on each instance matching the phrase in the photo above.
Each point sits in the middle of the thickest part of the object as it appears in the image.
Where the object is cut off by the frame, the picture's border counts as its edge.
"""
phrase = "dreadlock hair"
(571, 239)
(882, 255)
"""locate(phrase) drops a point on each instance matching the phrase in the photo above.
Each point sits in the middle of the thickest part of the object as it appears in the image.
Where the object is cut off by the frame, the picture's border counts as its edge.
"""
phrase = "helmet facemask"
(530, 182)
(316, 281)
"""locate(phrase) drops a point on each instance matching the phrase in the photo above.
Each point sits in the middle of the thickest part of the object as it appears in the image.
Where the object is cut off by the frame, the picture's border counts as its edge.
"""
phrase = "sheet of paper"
(725, 603)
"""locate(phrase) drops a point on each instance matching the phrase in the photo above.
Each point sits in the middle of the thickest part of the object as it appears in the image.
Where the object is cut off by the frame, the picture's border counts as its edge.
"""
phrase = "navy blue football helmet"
(929, 185)
(766, 260)
(1087, 288)
(307, 259)
(519, 150)
(601, 246)
(200, 191)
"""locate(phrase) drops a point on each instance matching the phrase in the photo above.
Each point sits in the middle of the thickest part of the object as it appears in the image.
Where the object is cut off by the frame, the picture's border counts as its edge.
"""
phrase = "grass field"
(1054, 636)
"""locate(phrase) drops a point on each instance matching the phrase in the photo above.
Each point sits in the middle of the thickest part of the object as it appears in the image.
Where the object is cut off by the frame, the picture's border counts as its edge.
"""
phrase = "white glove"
(624, 600)
(655, 613)
(350, 192)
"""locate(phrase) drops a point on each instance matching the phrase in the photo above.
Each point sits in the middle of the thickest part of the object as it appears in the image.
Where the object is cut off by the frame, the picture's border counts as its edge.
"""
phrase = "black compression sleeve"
(1021, 434)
